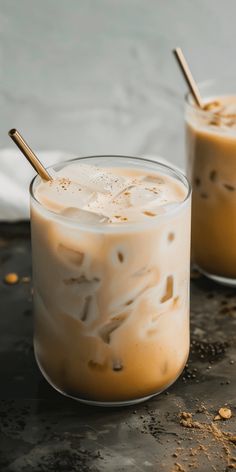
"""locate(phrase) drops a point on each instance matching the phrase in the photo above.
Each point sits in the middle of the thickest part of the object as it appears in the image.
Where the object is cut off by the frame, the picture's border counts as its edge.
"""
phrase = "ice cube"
(62, 192)
(94, 178)
(117, 365)
(230, 110)
(72, 257)
(71, 212)
(80, 173)
(140, 196)
(169, 206)
(84, 216)
(108, 183)
(160, 206)
(153, 179)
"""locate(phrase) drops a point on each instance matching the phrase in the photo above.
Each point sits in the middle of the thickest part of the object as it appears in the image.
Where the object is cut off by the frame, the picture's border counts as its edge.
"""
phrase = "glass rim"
(206, 83)
(176, 173)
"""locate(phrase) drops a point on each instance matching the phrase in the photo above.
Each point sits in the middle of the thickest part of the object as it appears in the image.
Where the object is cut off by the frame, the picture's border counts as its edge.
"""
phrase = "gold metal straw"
(188, 76)
(29, 154)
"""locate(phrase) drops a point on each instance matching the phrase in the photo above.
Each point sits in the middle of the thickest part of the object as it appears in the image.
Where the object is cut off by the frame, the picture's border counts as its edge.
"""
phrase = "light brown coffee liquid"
(112, 306)
(211, 152)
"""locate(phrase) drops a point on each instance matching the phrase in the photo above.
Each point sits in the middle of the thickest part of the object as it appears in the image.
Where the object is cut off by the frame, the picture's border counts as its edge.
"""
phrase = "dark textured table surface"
(42, 431)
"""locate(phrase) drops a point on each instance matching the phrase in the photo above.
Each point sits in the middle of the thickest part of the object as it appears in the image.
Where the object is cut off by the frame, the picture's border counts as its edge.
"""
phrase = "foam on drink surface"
(219, 115)
(94, 195)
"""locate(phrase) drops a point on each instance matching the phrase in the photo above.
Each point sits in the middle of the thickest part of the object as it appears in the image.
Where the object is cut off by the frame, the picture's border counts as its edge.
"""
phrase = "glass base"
(107, 404)
(113, 404)
(217, 278)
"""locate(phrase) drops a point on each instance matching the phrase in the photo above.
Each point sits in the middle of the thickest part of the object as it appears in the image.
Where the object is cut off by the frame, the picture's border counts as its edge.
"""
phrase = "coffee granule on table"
(187, 421)
(178, 468)
(225, 413)
(209, 430)
(25, 280)
(208, 351)
(11, 279)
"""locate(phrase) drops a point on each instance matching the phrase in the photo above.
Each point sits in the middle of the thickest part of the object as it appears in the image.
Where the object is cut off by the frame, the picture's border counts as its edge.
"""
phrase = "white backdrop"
(98, 76)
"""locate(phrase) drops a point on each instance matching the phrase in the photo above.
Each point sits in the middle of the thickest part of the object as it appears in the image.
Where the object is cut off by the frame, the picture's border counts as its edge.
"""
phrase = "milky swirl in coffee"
(211, 162)
(111, 279)
(90, 194)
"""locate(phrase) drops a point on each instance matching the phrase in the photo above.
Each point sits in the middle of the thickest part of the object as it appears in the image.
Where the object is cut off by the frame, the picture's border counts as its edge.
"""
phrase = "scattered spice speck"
(11, 278)
(217, 418)
(225, 413)
(25, 280)
(149, 213)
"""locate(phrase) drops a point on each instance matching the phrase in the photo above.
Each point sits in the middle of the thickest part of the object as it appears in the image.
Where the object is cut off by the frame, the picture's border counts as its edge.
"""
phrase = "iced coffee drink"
(111, 251)
(211, 154)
